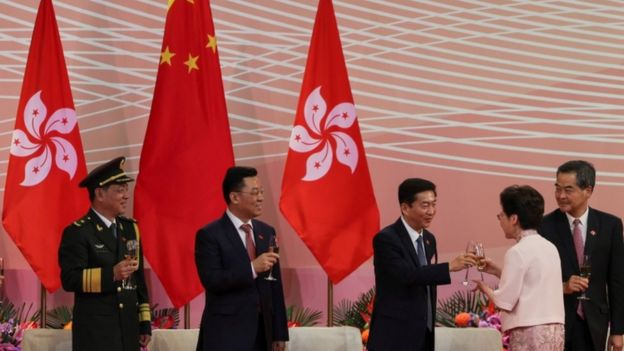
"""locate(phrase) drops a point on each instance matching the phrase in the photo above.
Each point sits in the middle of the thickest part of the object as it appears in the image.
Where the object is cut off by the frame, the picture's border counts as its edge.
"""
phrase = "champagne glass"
(480, 253)
(470, 248)
(273, 247)
(585, 273)
(131, 254)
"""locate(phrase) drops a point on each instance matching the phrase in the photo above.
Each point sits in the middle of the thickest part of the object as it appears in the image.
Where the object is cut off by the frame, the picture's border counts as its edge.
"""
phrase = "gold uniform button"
(121, 305)
(119, 289)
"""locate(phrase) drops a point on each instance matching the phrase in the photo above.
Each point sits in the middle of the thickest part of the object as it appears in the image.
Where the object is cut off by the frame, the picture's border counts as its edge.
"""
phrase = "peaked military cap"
(109, 173)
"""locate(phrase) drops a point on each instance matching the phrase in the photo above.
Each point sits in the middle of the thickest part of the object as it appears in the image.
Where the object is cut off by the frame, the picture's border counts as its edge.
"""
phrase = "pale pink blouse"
(530, 290)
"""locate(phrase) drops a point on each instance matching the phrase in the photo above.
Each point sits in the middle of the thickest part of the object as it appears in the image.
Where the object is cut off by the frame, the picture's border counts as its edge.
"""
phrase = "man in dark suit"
(405, 300)
(111, 308)
(578, 230)
(243, 311)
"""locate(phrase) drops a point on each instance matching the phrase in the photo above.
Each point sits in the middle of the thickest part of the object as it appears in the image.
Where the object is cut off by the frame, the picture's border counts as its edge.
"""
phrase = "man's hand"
(575, 284)
(144, 340)
(264, 262)
(124, 269)
(279, 346)
(615, 343)
(462, 261)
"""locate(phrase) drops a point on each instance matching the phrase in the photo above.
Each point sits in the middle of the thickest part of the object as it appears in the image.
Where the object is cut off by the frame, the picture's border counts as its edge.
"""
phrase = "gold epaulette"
(128, 219)
(82, 221)
(92, 280)
(144, 313)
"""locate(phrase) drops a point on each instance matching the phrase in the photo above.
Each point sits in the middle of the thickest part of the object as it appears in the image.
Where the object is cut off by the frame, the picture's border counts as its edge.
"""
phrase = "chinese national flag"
(186, 151)
(327, 194)
(46, 162)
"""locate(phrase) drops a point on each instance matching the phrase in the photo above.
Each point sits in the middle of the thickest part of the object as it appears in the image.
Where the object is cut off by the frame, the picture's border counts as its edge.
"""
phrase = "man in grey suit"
(577, 231)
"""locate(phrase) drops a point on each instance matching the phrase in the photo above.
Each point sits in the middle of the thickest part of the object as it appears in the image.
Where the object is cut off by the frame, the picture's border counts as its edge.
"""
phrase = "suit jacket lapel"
(261, 239)
(231, 233)
(566, 239)
(593, 228)
(429, 247)
(406, 241)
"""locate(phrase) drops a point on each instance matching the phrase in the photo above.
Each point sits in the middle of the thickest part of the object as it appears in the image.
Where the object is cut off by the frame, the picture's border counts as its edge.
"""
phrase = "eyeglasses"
(500, 215)
(254, 192)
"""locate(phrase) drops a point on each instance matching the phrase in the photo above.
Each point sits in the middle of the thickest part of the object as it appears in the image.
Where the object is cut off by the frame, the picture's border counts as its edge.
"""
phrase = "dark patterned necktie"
(249, 243)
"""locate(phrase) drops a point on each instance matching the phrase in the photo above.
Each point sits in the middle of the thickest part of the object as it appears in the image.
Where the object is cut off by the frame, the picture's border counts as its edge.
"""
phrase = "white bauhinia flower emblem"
(317, 134)
(34, 139)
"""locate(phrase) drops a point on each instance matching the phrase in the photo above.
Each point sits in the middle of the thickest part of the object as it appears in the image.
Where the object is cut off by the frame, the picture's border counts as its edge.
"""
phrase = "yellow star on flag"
(192, 63)
(212, 43)
(166, 56)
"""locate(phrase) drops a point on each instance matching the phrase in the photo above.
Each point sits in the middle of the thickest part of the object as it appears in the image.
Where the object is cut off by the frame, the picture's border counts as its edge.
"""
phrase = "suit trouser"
(260, 344)
(578, 338)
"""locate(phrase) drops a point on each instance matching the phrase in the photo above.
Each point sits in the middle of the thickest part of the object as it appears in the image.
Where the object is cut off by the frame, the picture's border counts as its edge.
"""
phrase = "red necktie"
(580, 250)
(249, 243)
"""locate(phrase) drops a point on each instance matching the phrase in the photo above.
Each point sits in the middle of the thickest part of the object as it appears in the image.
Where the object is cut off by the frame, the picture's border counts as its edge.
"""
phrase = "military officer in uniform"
(111, 307)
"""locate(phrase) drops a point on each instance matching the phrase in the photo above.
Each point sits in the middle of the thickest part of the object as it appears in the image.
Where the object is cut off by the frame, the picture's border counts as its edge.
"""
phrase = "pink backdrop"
(472, 95)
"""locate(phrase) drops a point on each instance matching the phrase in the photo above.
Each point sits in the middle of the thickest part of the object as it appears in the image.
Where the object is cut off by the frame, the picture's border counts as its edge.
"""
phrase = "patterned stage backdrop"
(475, 95)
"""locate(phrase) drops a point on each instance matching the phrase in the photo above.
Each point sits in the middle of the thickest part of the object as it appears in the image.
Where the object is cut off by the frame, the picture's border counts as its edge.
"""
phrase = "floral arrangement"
(13, 321)
(356, 313)
(466, 309)
(302, 317)
(165, 318)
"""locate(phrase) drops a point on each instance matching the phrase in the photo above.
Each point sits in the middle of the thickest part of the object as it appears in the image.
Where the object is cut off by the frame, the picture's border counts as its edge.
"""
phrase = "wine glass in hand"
(470, 248)
(132, 247)
(273, 247)
(585, 273)
(480, 253)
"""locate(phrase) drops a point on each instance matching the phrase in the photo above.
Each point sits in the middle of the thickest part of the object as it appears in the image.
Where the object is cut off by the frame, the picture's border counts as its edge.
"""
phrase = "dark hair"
(410, 187)
(585, 172)
(525, 202)
(235, 180)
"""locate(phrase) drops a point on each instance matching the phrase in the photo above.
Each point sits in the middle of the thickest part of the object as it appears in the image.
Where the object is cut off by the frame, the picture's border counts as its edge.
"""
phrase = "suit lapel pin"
(260, 237)
(427, 242)
(98, 227)
(592, 232)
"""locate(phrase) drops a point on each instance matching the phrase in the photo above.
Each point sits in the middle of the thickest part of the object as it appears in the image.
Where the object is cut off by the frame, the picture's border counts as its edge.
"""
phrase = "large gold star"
(212, 43)
(192, 63)
(166, 56)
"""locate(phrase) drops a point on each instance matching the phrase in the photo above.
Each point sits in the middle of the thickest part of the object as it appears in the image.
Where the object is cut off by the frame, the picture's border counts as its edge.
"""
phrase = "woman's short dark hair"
(234, 180)
(525, 202)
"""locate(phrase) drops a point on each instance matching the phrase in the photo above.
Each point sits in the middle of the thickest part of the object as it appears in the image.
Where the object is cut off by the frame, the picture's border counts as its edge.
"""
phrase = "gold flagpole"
(330, 303)
(44, 307)
(187, 316)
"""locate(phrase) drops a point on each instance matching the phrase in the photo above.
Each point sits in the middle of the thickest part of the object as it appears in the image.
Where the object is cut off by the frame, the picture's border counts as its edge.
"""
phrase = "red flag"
(186, 151)
(41, 194)
(327, 194)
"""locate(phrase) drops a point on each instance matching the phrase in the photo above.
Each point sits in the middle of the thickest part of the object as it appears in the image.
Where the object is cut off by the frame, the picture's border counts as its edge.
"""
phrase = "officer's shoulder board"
(131, 220)
(82, 221)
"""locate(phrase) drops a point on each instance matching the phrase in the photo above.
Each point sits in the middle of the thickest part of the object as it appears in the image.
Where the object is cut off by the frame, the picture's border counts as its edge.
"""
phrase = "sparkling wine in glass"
(470, 248)
(132, 247)
(585, 273)
(273, 247)
(480, 253)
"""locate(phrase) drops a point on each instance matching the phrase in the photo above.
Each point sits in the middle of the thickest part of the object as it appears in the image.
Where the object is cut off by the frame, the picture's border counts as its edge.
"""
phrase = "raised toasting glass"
(132, 247)
(585, 273)
(273, 247)
(480, 253)
(470, 248)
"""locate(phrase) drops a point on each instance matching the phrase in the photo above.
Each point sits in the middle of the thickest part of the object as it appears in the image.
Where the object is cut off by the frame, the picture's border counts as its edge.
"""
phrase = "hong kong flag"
(327, 194)
(46, 162)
